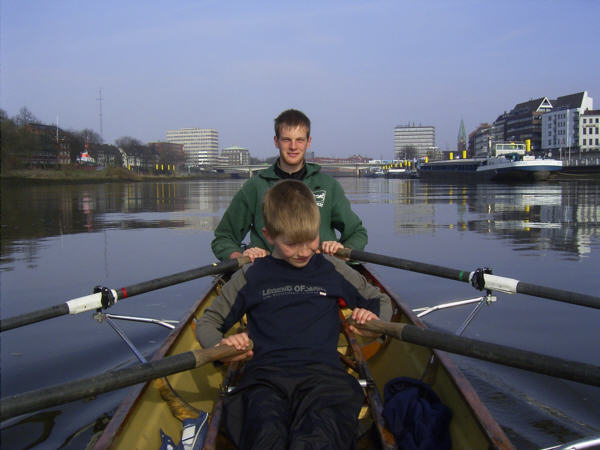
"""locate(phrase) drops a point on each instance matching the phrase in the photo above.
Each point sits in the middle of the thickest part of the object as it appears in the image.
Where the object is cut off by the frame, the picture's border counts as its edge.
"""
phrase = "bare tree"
(25, 117)
(408, 152)
(127, 142)
(90, 135)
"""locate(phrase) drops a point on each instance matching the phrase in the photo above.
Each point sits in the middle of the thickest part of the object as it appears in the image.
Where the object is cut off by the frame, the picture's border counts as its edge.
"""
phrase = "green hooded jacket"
(245, 213)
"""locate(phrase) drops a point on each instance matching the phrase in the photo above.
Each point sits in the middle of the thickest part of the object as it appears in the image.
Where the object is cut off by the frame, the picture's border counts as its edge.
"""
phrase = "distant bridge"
(252, 168)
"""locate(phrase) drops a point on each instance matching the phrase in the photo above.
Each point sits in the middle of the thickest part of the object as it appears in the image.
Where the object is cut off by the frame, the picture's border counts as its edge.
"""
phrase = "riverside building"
(480, 140)
(235, 156)
(522, 123)
(550, 125)
(589, 131)
(561, 126)
(200, 145)
(410, 139)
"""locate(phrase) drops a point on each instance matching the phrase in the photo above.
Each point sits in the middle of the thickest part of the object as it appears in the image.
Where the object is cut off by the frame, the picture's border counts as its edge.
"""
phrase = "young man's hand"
(361, 316)
(239, 341)
(252, 253)
(330, 247)
(255, 252)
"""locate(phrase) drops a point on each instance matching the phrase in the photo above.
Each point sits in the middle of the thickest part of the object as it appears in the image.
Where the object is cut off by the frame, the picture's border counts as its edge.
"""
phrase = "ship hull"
(490, 170)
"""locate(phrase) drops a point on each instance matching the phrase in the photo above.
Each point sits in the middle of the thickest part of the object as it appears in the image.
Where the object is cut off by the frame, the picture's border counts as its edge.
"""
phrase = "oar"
(492, 282)
(106, 297)
(112, 380)
(500, 354)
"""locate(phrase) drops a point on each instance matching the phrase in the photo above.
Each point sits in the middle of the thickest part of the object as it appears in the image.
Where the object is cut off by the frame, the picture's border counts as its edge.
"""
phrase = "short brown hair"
(289, 209)
(292, 118)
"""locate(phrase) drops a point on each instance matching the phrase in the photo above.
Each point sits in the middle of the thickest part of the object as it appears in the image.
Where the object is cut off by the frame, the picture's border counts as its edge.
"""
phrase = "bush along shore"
(80, 175)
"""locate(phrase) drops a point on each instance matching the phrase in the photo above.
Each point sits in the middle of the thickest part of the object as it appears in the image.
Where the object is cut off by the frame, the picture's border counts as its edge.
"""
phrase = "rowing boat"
(137, 421)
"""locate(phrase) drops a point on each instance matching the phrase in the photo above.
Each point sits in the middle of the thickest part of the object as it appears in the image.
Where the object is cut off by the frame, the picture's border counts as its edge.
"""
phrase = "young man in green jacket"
(244, 214)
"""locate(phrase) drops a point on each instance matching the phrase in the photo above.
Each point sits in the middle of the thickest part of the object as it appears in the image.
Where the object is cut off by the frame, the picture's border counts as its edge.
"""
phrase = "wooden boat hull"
(137, 421)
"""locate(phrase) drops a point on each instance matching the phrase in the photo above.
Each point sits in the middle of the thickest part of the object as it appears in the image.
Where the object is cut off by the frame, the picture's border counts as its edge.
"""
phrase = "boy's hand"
(361, 315)
(238, 341)
(330, 247)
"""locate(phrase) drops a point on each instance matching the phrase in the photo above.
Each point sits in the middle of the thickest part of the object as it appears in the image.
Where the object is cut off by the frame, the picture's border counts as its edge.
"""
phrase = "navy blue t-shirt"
(292, 312)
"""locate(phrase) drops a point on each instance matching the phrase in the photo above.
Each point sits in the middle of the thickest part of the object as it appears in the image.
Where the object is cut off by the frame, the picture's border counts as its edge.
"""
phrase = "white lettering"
(320, 198)
(292, 290)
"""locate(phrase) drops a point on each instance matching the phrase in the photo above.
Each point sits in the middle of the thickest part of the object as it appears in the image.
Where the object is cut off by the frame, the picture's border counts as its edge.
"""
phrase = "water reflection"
(34, 212)
(564, 217)
(79, 236)
(561, 216)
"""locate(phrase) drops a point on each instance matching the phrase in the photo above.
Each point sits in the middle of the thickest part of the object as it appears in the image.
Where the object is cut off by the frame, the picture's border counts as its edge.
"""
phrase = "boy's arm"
(225, 310)
(364, 288)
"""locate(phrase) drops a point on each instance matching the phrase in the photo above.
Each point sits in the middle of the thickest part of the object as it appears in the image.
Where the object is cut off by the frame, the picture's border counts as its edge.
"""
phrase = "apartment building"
(480, 140)
(561, 126)
(589, 131)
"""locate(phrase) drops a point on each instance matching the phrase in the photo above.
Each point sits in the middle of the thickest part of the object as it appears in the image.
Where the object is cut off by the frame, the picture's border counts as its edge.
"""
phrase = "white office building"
(560, 126)
(408, 137)
(200, 145)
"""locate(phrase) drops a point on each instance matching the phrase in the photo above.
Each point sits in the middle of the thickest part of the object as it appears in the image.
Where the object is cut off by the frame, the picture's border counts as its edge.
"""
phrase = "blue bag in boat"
(415, 415)
(192, 436)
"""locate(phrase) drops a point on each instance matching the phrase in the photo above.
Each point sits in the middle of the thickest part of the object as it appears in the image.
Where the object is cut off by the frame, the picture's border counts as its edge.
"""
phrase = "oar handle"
(500, 354)
(112, 380)
(216, 353)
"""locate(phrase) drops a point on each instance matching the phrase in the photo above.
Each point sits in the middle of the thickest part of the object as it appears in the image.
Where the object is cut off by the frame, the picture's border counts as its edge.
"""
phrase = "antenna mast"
(100, 114)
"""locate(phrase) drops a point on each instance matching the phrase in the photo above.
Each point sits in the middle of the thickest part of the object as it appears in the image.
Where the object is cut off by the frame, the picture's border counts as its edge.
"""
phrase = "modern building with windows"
(561, 127)
(480, 140)
(523, 123)
(546, 123)
(200, 145)
(589, 131)
(409, 139)
(235, 156)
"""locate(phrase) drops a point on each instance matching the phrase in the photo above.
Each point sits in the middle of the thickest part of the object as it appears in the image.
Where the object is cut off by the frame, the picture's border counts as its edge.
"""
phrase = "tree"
(90, 135)
(18, 142)
(128, 142)
(25, 117)
(408, 152)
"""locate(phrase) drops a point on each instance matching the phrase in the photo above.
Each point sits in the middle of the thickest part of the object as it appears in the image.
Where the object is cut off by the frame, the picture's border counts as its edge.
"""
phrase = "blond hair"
(289, 209)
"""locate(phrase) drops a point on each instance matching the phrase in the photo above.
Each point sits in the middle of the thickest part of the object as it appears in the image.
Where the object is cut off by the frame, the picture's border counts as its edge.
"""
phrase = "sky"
(357, 68)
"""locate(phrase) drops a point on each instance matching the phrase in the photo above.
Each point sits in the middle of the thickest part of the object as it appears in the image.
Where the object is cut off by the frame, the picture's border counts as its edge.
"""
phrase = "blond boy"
(294, 388)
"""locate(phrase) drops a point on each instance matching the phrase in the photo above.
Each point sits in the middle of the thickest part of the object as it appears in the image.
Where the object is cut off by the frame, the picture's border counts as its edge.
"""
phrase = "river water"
(59, 241)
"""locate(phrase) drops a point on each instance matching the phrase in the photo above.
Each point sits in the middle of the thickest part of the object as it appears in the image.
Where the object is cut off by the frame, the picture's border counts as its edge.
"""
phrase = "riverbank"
(115, 174)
